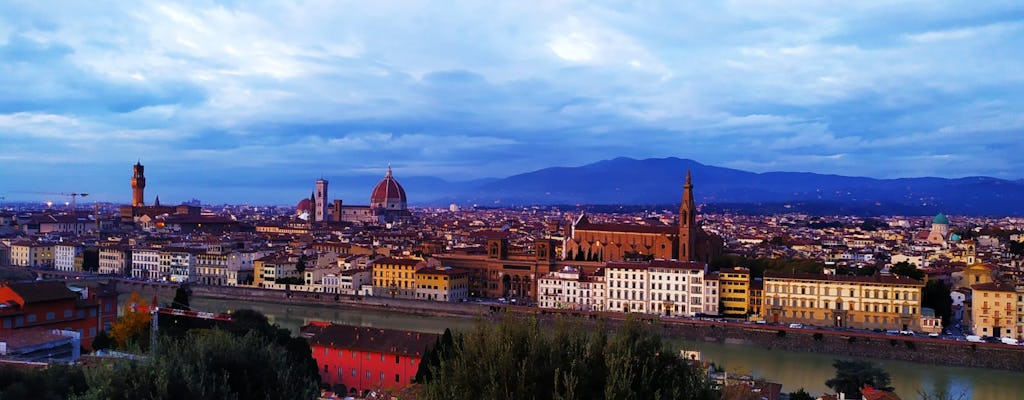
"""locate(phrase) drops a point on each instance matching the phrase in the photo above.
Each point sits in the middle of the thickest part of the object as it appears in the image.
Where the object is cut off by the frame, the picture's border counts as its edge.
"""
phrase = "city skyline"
(240, 98)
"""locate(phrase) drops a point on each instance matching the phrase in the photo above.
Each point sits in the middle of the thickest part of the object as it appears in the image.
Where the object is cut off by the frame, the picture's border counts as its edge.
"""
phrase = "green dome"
(941, 219)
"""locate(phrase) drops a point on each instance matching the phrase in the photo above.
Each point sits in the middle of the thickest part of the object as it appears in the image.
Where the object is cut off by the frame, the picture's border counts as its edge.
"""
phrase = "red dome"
(388, 194)
(304, 205)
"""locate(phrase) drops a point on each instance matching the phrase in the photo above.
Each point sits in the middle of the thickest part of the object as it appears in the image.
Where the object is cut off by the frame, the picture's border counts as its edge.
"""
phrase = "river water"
(792, 369)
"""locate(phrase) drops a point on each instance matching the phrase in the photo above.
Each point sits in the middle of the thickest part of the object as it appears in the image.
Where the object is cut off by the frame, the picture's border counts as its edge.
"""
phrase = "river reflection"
(792, 369)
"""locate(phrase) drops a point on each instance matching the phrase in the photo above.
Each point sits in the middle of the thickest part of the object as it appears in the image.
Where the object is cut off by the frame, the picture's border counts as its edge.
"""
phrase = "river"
(792, 369)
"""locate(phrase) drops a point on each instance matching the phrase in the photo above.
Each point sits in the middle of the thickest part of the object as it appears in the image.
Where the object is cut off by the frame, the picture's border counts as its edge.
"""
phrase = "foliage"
(935, 295)
(941, 394)
(205, 364)
(1017, 248)
(800, 395)
(56, 381)
(102, 341)
(133, 326)
(907, 269)
(519, 358)
(852, 375)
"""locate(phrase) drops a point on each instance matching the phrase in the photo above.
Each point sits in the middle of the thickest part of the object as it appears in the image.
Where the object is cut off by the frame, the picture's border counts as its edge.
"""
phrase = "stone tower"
(138, 185)
(687, 223)
(320, 201)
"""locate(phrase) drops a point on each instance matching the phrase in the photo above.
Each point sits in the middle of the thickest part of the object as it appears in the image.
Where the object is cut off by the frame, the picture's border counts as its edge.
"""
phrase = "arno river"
(792, 369)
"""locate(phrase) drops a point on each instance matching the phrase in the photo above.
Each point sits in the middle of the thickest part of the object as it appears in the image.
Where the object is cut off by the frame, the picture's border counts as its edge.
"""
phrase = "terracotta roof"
(993, 287)
(870, 393)
(887, 279)
(612, 227)
(391, 341)
(42, 291)
(672, 264)
(397, 261)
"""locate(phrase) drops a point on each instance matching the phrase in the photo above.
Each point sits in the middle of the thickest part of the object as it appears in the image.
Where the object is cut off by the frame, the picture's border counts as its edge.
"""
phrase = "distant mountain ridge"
(659, 181)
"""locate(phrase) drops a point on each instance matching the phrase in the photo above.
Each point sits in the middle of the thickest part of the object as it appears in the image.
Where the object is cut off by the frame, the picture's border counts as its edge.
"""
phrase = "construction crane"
(74, 196)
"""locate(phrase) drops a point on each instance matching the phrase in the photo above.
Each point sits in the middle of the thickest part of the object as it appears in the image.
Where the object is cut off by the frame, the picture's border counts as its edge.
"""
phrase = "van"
(974, 338)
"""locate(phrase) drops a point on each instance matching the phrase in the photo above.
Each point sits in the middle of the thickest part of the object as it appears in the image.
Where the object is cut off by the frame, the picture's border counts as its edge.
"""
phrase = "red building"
(355, 359)
(52, 305)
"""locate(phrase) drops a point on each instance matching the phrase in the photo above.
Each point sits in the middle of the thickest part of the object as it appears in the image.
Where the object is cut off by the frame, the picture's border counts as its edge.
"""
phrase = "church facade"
(686, 241)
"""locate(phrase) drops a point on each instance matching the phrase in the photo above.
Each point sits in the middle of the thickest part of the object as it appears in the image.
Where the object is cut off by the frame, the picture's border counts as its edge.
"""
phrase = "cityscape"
(398, 201)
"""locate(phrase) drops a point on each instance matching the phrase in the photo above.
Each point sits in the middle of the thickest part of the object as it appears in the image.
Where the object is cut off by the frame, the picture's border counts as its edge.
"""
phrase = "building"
(28, 253)
(939, 233)
(395, 277)
(439, 283)
(145, 263)
(667, 287)
(735, 290)
(64, 256)
(320, 201)
(507, 271)
(272, 268)
(571, 289)
(685, 241)
(138, 183)
(863, 302)
(115, 260)
(52, 305)
(356, 360)
(994, 310)
(130, 214)
(212, 268)
(756, 297)
(178, 264)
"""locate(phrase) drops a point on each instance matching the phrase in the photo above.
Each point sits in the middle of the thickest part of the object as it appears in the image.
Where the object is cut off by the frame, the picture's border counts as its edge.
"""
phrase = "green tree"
(205, 364)
(102, 341)
(852, 375)
(800, 395)
(907, 269)
(936, 295)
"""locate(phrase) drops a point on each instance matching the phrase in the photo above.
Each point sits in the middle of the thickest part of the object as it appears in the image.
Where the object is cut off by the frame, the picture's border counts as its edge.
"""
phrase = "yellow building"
(994, 310)
(442, 284)
(734, 294)
(975, 274)
(395, 277)
(271, 269)
(863, 302)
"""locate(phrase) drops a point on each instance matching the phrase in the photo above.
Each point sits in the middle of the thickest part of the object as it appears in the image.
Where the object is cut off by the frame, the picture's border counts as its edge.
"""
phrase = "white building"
(178, 265)
(64, 256)
(145, 263)
(352, 280)
(569, 288)
(660, 287)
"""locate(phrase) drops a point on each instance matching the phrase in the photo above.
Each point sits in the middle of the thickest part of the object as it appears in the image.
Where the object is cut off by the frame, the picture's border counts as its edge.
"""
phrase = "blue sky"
(245, 101)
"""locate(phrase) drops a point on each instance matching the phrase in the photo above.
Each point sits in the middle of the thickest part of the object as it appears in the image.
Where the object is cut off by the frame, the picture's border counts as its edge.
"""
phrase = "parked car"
(1009, 340)
(974, 338)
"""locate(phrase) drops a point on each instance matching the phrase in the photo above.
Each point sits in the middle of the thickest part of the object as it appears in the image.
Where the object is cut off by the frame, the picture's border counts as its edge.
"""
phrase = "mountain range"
(659, 181)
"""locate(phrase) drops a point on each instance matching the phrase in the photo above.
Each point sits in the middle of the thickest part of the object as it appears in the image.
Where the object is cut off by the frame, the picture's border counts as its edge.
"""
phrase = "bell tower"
(687, 222)
(138, 185)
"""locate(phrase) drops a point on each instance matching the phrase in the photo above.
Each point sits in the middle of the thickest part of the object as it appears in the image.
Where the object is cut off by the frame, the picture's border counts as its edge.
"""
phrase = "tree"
(936, 295)
(852, 375)
(1017, 248)
(907, 269)
(102, 341)
(800, 395)
(133, 326)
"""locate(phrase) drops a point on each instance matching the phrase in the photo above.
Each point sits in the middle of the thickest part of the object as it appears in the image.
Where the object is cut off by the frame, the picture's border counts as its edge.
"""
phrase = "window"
(353, 372)
(31, 318)
(51, 315)
(325, 368)
(382, 377)
(397, 378)
(367, 374)
(67, 313)
(7, 323)
(396, 359)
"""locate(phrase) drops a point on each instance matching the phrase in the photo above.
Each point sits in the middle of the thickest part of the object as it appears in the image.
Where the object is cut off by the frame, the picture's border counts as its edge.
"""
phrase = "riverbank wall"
(837, 342)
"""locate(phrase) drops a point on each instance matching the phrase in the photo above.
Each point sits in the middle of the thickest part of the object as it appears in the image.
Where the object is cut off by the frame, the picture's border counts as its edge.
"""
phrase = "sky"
(251, 101)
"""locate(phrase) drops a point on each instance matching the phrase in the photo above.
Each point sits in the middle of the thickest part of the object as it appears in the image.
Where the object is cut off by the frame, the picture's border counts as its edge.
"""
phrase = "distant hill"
(659, 181)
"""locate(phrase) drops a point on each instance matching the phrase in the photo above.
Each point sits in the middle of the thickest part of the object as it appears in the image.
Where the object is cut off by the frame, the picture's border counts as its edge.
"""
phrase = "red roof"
(390, 341)
(612, 227)
(387, 191)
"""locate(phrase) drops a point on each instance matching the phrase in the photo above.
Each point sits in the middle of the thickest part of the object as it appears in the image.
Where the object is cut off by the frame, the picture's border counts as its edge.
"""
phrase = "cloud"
(473, 89)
